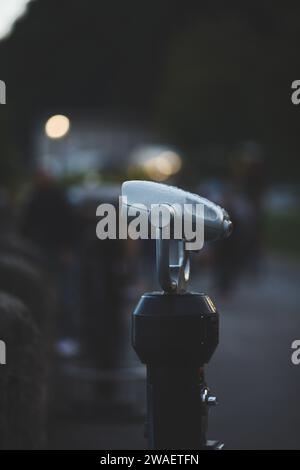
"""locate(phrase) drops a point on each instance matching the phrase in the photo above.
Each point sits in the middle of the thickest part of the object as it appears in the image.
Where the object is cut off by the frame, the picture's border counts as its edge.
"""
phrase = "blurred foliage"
(103, 176)
(282, 232)
(227, 79)
(207, 75)
(10, 169)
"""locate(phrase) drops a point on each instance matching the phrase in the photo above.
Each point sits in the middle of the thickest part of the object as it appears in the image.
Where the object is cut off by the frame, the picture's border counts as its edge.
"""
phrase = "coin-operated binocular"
(175, 332)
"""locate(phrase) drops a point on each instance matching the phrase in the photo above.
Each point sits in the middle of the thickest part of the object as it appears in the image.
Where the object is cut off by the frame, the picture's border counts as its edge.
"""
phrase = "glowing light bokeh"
(57, 126)
(163, 165)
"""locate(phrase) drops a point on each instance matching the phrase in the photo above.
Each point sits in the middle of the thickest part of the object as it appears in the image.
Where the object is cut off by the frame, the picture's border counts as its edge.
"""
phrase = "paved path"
(251, 373)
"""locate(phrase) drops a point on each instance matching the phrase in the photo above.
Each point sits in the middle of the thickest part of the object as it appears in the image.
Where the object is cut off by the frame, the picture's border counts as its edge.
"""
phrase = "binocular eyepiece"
(181, 209)
(215, 219)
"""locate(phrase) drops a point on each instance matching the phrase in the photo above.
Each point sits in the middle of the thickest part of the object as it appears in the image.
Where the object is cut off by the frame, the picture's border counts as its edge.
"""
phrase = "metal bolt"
(211, 400)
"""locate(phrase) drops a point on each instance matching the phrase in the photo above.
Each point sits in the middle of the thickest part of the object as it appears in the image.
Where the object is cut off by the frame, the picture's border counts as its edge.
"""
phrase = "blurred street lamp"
(158, 162)
(57, 126)
(171, 160)
(163, 166)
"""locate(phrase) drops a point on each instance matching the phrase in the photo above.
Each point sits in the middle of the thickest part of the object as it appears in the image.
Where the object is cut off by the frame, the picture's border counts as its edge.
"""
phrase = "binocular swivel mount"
(175, 332)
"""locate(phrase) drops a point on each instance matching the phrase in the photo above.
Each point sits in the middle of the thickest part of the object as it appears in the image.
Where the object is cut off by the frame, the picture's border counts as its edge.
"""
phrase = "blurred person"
(48, 218)
(49, 222)
(231, 255)
(249, 178)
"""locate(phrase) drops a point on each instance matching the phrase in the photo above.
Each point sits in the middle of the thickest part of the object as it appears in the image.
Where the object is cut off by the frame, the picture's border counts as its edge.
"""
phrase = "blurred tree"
(228, 79)
(203, 71)
(93, 55)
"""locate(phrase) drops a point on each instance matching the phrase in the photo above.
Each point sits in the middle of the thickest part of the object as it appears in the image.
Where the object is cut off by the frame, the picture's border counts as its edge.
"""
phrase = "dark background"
(212, 80)
(204, 74)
